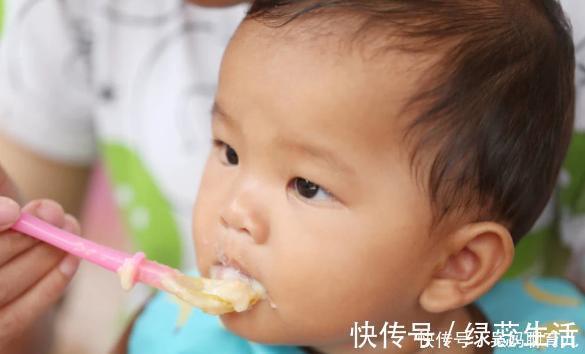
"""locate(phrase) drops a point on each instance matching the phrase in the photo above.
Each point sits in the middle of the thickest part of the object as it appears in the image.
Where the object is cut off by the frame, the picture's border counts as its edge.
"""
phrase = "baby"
(374, 163)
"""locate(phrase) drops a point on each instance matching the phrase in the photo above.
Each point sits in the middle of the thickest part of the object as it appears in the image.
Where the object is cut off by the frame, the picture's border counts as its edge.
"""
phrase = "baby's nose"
(243, 215)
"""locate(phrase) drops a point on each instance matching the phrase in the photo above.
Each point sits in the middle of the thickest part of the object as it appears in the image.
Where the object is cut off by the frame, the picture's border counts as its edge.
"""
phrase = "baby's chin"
(266, 324)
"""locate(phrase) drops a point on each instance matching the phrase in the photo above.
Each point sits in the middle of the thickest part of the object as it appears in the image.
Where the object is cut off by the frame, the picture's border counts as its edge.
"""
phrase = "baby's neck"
(460, 317)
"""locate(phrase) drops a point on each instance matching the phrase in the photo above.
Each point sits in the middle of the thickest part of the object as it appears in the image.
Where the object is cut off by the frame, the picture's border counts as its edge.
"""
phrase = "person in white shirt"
(130, 81)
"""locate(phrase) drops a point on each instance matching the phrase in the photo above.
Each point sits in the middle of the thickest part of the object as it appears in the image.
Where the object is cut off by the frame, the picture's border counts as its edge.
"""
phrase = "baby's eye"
(310, 190)
(229, 156)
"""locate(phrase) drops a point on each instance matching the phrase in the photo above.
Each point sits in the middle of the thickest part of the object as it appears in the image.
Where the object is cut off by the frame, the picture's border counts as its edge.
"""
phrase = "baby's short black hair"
(499, 112)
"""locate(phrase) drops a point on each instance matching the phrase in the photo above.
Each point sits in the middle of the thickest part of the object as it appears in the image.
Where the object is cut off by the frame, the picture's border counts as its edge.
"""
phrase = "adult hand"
(33, 275)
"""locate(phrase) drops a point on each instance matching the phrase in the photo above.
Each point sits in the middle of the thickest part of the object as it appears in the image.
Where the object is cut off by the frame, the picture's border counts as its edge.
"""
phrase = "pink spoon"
(142, 270)
(197, 292)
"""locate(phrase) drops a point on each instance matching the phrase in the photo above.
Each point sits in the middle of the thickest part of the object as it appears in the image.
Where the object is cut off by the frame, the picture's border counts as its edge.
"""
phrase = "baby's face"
(309, 189)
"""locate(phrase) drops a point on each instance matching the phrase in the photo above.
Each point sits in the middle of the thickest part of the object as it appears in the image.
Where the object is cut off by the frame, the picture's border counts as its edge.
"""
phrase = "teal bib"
(520, 302)
(546, 300)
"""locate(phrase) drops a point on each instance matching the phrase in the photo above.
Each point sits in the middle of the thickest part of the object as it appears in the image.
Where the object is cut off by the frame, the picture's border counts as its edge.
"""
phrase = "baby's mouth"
(228, 281)
(228, 269)
(228, 289)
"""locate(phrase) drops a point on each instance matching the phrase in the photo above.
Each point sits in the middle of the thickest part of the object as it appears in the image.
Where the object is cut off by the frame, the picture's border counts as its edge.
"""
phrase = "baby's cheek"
(205, 216)
(324, 309)
(350, 288)
(313, 297)
(203, 235)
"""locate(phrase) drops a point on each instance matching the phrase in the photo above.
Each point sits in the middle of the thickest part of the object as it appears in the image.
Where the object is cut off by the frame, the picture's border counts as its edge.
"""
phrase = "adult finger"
(47, 210)
(9, 212)
(22, 313)
(21, 273)
(12, 244)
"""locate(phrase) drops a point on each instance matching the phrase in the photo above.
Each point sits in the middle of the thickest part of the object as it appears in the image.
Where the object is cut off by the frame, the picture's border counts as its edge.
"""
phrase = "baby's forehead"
(339, 33)
(325, 73)
(324, 46)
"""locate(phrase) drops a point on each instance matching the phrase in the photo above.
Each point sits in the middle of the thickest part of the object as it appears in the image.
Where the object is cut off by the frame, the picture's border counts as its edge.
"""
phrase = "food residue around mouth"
(230, 284)
(227, 290)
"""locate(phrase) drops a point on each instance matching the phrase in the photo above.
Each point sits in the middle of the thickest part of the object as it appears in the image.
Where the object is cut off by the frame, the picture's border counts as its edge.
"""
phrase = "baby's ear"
(477, 255)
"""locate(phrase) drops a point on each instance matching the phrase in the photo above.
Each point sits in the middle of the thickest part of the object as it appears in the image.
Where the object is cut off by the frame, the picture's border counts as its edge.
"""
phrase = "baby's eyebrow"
(316, 152)
(328, 157)
(218, 112)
